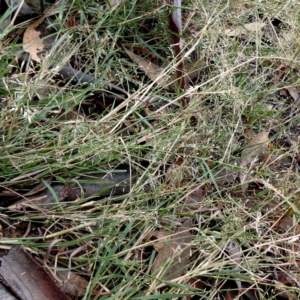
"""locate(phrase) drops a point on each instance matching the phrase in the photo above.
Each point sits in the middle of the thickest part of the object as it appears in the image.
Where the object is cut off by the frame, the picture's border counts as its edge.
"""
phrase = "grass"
(59, 130)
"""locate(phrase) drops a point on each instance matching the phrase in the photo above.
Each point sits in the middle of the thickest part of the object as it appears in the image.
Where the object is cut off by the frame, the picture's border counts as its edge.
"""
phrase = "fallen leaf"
(293, 93)
(231, 295)
(283, 293)
(27, 278)
(72, 284)
(154, 72)
(193, 68)
(31, 40)
(191, 202)
(172, 258)
(251, 154)
(254, 149)
(235, 253)
(245, 29)
(287, 224)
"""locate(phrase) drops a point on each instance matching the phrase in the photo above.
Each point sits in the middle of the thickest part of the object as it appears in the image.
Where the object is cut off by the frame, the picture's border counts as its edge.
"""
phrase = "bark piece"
(27, 278)
(101, 184)
(68, 73)
(5, 293)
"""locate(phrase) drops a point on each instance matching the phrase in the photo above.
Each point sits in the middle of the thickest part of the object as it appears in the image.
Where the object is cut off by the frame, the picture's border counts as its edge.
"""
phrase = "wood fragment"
(27, 278)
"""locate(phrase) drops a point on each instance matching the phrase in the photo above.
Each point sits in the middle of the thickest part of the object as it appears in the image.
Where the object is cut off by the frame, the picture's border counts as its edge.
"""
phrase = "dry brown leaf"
(73, 284)
(283, 293)
(245, 29)
(193, 68)
(172, 259)
(234, 252)
(251, 154)
(293, 93)
(288, 224)
(31, 40)
(191, 202)
(161, 235)
(152, 71)
(254, 149)
(178, 173)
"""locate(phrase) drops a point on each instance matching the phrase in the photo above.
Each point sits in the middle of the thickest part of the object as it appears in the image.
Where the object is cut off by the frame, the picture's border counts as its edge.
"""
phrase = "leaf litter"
(173, 256)
(32, 42)
(154, 72)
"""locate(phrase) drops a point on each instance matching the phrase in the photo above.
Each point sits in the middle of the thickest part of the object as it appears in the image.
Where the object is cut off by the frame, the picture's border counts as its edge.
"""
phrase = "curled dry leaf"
(32, 42)
(154, 72)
